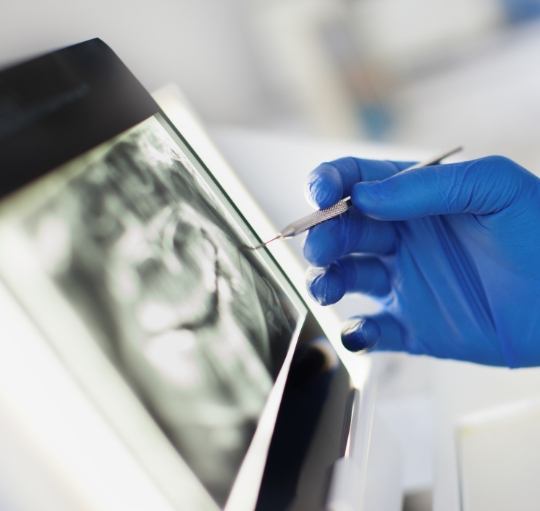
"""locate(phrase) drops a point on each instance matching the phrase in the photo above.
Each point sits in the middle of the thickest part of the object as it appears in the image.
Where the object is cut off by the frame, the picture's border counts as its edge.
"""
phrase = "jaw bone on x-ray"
(141, 248)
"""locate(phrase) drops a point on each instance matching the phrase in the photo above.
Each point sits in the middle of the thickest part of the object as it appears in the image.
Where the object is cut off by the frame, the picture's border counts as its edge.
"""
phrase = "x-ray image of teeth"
(142, 250)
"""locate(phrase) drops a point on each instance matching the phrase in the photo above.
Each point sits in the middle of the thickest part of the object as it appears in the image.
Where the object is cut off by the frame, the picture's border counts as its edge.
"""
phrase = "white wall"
(199, 44)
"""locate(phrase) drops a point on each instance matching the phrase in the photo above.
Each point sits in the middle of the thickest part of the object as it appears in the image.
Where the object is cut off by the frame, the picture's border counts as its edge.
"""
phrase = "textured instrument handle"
(317, 217)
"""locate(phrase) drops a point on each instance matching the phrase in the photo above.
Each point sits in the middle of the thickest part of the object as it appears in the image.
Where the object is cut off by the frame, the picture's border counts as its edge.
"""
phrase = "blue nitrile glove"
(451, 251)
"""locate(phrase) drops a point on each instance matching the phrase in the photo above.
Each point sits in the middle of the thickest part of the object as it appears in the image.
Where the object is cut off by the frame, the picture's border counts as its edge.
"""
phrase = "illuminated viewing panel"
(147, 253)
(152, 358)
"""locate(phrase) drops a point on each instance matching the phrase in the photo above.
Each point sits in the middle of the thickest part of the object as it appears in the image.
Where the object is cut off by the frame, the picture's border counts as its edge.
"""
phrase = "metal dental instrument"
(307, 222)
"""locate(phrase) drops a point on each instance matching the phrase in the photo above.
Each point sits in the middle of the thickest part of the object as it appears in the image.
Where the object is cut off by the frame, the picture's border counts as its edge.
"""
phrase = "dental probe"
(322, 215)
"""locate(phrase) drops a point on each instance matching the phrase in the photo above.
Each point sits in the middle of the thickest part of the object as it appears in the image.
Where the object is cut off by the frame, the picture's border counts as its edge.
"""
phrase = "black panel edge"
(59, 105)
(311, 428)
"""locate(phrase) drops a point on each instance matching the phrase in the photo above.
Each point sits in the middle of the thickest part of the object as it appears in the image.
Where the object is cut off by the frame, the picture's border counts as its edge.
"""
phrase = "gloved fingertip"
(311, 250)
(325, 285)
(313, 277)
(324, 186)
(320, 245)
(360, 334)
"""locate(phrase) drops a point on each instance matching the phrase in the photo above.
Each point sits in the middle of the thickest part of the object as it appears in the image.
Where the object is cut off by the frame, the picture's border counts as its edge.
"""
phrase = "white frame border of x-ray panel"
(176, 109)
(354, 465)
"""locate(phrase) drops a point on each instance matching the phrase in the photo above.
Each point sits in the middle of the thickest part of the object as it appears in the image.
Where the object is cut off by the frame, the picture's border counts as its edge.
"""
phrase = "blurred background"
(419, 72)
(416, 74)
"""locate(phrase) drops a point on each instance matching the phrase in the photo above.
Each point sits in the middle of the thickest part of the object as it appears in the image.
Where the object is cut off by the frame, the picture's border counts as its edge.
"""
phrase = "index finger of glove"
(331, 181)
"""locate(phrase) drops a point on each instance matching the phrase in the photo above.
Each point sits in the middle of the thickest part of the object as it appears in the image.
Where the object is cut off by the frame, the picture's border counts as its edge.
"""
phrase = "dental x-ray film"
(147, 253)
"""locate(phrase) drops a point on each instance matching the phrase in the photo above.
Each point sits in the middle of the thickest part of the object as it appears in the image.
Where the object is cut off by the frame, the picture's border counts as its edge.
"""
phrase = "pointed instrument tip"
(276, 237)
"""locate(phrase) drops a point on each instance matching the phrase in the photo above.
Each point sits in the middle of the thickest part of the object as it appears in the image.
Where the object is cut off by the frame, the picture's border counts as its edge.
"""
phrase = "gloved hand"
(451, 251)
